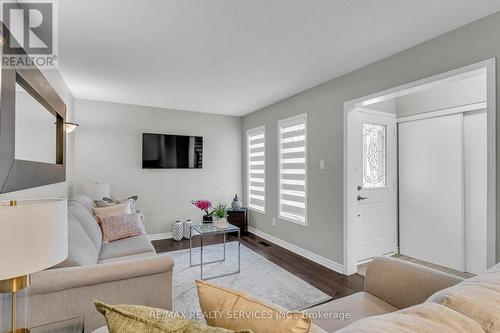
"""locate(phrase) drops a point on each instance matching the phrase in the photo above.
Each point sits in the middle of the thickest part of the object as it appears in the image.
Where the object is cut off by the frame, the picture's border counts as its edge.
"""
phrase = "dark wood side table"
(238, 218)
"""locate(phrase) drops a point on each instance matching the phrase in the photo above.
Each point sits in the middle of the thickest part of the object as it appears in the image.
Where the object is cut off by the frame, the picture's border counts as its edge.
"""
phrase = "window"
(293, 169)
(374, 156)
(256, 180)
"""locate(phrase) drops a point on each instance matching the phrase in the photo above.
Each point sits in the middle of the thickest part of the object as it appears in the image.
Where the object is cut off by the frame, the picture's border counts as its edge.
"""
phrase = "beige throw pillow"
(477, 298)
(120, 226)
(422, 318)
(114, 210)
(234, 310)
(143, 319)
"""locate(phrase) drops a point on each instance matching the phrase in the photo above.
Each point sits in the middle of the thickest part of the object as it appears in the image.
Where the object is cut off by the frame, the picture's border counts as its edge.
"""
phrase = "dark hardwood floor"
(330, 282)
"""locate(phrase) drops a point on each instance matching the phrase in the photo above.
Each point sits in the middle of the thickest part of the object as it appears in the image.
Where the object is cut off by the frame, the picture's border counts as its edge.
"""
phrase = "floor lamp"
(33, 237)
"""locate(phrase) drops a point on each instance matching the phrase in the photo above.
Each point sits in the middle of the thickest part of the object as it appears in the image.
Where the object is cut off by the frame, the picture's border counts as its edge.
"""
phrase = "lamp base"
(14, 284)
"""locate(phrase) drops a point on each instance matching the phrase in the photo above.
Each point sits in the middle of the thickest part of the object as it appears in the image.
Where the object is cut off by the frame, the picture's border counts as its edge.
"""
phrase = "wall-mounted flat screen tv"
(164, 151)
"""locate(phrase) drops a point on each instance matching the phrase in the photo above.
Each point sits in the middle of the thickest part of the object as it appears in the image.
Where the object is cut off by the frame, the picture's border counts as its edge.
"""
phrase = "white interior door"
(374, 186)
(431, 200)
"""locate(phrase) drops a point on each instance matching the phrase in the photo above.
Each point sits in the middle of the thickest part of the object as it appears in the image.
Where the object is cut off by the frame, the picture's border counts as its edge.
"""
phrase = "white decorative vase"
(177, 230)
(187, 226)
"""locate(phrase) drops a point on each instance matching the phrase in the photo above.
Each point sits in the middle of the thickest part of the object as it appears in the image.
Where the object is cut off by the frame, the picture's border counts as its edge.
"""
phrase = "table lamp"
(33, 237)
(97, 191)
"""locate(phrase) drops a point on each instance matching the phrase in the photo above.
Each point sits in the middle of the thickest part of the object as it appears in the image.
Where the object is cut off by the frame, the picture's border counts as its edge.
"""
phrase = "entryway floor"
(363, 267)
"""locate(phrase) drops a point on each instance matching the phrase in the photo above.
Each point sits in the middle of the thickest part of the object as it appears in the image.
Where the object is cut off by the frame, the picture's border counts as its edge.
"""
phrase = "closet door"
(431, 217)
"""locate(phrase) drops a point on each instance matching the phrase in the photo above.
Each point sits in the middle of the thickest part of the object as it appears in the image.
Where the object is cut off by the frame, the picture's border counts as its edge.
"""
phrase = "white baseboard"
(300, 251)
(163, 235)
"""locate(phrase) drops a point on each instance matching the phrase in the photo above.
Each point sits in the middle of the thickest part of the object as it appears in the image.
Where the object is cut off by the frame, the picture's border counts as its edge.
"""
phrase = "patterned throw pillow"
(143, 319)
(120, 226)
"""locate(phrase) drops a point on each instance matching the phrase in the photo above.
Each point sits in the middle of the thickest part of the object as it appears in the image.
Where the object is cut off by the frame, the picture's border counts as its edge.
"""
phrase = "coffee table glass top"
(210, 228)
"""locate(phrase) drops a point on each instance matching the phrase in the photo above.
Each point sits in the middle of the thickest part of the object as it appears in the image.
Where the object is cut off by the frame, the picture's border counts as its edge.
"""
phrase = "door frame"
(350, 232)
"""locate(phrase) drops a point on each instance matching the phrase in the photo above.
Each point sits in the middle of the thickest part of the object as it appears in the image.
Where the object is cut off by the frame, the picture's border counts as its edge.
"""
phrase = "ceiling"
(236, 56)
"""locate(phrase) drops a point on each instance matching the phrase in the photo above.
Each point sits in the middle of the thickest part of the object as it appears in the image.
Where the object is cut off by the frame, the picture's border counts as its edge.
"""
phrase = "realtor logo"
(30, 38)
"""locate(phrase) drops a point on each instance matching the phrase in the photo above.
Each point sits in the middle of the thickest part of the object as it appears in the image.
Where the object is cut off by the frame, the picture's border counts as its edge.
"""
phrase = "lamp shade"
(97, 191)
(33, 236)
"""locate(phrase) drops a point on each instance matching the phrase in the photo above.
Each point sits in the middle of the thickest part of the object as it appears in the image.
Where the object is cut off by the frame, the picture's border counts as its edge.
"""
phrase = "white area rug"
(258, 277)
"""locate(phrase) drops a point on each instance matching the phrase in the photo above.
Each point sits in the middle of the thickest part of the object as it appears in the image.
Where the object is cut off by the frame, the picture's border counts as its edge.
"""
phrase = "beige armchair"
(63, 293)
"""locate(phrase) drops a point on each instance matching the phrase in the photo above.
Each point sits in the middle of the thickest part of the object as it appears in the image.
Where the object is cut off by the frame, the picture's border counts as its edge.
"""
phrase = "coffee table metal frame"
(209, 229)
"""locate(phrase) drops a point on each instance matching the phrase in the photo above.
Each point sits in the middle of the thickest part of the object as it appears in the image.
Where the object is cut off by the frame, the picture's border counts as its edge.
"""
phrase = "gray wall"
(324, 106)
(109, 148)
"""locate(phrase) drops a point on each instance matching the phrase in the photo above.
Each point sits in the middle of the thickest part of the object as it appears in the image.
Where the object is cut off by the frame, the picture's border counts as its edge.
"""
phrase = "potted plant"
(204, 205)
(219, 212)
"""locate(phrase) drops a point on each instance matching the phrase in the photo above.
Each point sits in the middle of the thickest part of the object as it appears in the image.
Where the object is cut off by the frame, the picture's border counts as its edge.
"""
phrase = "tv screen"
(163, 151)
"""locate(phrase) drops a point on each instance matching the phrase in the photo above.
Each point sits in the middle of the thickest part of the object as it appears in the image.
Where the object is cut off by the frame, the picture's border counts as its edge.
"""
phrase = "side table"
(238, 218)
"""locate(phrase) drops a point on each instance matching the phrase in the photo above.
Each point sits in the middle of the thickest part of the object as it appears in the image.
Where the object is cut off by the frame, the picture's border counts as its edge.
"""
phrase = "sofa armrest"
(404, 284)
(59, 279)
(58, 294)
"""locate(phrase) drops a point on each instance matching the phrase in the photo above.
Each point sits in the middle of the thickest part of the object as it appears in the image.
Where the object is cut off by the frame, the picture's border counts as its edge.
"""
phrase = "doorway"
(419, 171)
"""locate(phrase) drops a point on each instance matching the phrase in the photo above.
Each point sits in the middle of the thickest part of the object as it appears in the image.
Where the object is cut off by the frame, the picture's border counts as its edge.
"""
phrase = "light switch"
(321, 164)
(274, 221)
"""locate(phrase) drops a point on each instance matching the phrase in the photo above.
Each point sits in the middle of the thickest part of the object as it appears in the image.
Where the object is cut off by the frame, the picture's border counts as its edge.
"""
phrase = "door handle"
(361, 198)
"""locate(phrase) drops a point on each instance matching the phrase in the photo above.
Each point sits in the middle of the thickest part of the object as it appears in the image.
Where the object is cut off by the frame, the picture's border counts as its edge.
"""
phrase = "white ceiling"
(236, 56)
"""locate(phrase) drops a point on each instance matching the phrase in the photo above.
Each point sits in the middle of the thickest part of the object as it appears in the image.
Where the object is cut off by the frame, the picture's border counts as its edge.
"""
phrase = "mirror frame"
(17, 174)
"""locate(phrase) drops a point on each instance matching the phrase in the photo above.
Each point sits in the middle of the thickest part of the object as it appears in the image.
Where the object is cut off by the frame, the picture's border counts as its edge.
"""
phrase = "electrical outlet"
(321, 164)
(274, 221)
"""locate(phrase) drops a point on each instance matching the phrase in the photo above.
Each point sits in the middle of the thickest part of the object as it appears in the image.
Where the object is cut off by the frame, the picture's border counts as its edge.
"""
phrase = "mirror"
(35, 129)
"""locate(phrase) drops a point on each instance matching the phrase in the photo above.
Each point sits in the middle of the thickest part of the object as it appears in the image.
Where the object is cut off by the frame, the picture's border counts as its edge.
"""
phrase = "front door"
(374, 174)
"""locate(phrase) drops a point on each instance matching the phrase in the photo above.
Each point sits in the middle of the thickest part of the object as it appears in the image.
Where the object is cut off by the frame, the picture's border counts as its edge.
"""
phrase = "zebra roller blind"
(293, 169)
(256, 178)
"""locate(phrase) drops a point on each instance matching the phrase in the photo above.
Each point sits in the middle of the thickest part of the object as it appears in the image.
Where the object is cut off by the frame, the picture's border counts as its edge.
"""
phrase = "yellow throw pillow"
(143, 319)
(234, 310)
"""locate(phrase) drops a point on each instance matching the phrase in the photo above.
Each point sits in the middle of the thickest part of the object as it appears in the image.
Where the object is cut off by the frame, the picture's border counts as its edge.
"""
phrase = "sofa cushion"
(81, 250)
(87, 221)
(85, 201)
(126, 247)
(342, 312)
(477, 298)
(424, 318)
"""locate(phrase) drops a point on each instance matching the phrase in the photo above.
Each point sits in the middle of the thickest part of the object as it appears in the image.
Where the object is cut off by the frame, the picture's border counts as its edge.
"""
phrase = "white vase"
(177, 230)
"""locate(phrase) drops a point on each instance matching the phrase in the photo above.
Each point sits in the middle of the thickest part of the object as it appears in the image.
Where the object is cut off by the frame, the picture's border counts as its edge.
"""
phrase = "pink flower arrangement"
(204, 205)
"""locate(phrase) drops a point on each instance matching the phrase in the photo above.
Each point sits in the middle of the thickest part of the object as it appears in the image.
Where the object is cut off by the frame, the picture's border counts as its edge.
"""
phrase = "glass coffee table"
(206, 230)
